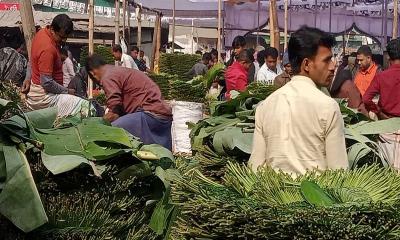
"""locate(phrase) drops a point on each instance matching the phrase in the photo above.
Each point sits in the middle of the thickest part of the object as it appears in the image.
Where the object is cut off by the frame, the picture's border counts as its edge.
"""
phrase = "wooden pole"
(116, 21)
(192, 36)
(219, 47)
(28, 23)
(124, 18)
(173, 28)
(139, 28)
(285, 31)
(129, 25)
(153, 52)
(91, 43)
(271, 26)
(274, 28)
(395, 19)
(158, 45)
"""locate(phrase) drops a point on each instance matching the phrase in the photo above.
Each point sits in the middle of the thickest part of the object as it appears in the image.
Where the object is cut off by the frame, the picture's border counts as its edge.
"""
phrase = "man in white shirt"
(299, 128)
(270, 69)
(68, 67)
(122, 59)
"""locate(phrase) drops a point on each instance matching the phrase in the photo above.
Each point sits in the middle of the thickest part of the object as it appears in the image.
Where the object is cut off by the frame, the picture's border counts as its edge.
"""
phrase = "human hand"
(26, 86)
(110, 116)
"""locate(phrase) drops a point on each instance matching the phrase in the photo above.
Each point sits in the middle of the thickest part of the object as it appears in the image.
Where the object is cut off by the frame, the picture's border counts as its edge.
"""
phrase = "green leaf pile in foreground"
(342, 204)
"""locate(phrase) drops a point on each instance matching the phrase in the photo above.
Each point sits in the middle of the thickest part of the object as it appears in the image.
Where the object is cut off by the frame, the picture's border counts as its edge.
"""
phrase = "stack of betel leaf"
(90, 149)
(163, 81)
(104, 51)
(341, 204)
(178, 64)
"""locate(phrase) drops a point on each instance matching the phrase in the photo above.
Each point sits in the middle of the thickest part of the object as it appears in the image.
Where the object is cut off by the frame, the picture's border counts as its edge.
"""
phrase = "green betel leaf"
(19, 200)
(62, 163)
(315, 195)
(383, 126)
(232, 138)
(43, 118)
(165, 157)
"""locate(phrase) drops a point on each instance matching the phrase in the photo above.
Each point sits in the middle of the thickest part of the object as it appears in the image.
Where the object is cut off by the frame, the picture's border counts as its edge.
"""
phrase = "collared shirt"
(282, 79)
(387, 85)
(130, 90)
(266, 75)
(68, 71)
(127, 62)
(299, 128)
(46, 58)
(235, 78)
(364, 78)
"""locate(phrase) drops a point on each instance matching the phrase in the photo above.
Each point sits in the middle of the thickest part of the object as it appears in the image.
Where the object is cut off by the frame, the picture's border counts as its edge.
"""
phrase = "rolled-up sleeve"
(258, 153)
(335, 146)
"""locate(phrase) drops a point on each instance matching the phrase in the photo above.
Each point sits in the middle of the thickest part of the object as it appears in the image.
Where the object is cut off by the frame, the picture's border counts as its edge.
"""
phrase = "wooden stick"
(91, 43)
(395, 19)
(28, 23)
(274, 28)
(139, 23)
(285, 31)
(158, 45)
(116, 21)
(153, 52)
(173, 29)
(129, 25)
(219, 47)
(124, 18)
(271, 26)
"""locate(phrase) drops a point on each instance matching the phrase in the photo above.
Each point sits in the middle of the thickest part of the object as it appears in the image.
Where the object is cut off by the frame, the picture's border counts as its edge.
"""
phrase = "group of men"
(137, 60)
(298, 127)
(134, 101)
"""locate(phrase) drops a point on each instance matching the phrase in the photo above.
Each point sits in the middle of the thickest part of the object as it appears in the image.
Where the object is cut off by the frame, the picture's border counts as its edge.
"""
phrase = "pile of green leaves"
(228, 132)
(178, 64)
(66, 147)
(163, 81)
(341, 204)
(104, 51)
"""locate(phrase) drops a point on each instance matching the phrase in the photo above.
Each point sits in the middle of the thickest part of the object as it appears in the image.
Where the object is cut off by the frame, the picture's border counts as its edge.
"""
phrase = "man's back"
(298, 128)
(133, 90)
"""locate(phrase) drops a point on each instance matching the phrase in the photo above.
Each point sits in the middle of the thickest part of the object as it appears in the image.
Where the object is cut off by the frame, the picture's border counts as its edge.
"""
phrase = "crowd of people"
(298, 127)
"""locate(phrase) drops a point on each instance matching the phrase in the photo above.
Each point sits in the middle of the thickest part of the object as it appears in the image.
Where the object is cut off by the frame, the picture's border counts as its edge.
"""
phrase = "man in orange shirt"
(45, 88)
(367, 69)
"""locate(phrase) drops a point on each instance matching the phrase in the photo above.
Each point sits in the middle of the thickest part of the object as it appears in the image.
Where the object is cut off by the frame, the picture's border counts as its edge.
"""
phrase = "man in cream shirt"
(298, 127)
(122, 59)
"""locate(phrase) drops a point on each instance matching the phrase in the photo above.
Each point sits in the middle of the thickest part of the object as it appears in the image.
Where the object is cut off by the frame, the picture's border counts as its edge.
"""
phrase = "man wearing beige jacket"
(298, 127)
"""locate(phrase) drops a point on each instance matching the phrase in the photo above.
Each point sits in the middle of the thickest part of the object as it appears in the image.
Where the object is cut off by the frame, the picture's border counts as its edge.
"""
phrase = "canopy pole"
(28, 23)
(124, 18)
(385, 17)
(192, 36)
(285, 31)
(91, 43)
(116, 21)
(154, 49)
(258, 22)
(129, 25)
(274, 28)
(139, 23)
(395, 19)
(173, 29)
(330, 16)
(219, 48)
(158, 45)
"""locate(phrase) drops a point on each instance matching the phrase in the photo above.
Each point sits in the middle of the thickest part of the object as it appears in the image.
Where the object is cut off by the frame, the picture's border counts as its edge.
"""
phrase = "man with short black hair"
(386, 85)
(298, 127)
(134, 102)
(270, 69)
(201, 67)
(46, 86)
(367, 69)
(122, 59)
(68, 67)
(287, 74)
(135, 55)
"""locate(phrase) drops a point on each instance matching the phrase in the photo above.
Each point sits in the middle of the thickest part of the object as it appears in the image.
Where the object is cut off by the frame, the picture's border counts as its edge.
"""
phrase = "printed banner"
(9, 6)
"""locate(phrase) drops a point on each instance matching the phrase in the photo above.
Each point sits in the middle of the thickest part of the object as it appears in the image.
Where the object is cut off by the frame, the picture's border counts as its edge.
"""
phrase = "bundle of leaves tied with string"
(340, 204)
